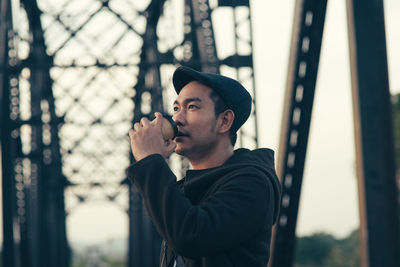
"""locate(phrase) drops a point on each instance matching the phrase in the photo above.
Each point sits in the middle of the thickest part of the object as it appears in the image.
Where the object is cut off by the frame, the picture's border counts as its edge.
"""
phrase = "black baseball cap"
(235, 96)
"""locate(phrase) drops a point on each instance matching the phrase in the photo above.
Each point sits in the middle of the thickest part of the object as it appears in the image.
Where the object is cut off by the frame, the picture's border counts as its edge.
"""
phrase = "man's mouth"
(180, 134)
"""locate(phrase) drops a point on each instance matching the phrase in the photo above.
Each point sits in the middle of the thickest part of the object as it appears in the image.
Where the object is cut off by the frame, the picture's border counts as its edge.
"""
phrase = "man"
(221, 213)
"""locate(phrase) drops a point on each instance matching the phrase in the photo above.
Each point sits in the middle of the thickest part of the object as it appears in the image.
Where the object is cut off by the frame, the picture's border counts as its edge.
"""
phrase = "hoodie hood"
(197, 182)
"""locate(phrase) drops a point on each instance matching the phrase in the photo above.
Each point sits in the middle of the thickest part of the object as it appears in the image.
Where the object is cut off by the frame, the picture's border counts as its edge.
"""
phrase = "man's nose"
(179, 118)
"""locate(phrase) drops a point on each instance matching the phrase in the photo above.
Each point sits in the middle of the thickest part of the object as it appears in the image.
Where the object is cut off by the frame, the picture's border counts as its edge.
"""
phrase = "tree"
(325, 250)
(346, 252)
(313, 250)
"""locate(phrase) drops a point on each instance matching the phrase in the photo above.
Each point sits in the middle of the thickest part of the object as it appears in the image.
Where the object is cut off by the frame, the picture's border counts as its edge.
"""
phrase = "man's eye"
(192, 107)
(176, 108)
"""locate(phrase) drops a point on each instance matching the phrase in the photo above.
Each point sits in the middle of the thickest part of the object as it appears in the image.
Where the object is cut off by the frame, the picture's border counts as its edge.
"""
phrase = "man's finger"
(158, 120)
(171, 146)
(137, 126)
(144, 121)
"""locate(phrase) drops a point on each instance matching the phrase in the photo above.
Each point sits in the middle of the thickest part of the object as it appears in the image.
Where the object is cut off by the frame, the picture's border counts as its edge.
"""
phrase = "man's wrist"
(144, 157)
(134, 171)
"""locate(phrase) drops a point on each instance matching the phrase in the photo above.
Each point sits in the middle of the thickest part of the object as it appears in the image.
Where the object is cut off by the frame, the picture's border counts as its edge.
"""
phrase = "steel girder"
(45, 153)
(240, 61)
(144, 241)
(376, 172)
(373, 129)
(8, 143)
(306, 41)
(31, 154)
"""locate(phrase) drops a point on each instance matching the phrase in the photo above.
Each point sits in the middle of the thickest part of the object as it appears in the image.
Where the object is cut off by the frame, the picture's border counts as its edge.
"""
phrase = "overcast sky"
(329, 197)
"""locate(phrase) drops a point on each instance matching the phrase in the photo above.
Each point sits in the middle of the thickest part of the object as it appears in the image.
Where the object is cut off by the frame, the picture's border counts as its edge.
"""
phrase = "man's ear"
(225, 121)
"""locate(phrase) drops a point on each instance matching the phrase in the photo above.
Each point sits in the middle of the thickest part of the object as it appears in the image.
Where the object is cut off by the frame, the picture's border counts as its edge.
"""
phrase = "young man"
(221, 213)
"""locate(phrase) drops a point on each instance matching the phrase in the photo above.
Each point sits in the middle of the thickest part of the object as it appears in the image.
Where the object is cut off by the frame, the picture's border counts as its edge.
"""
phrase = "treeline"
(322, 249)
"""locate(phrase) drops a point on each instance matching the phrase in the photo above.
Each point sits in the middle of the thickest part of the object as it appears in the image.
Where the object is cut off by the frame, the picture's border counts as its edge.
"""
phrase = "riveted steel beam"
(8, 142)
(305, 49)
(379, 220)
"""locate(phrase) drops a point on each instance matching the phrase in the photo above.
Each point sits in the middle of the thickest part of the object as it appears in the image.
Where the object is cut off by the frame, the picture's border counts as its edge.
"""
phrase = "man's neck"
(215, 158)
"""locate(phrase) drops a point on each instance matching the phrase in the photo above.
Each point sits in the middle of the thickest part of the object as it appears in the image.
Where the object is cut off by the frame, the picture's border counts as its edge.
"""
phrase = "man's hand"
(146, 139)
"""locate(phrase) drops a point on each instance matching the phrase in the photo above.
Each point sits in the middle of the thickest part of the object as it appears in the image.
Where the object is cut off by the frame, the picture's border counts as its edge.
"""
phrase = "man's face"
(195, 118)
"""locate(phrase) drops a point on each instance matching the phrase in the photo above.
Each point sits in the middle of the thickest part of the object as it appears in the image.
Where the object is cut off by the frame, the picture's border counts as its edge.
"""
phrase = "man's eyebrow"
(187, 100)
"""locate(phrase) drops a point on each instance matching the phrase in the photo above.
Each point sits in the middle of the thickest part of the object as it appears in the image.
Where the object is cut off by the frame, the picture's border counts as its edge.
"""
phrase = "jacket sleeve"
(241, 208)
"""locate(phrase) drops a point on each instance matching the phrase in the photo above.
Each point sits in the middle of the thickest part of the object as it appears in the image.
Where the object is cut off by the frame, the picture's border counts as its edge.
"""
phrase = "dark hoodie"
(220, 216)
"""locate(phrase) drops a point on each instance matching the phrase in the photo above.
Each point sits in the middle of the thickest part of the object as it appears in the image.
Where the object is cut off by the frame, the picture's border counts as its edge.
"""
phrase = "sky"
(329, 192)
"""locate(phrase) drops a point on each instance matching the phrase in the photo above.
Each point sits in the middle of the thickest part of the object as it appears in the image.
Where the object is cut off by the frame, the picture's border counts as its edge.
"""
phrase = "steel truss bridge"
(76, 74)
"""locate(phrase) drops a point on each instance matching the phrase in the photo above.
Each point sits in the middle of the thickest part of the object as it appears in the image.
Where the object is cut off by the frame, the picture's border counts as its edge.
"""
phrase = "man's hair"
(219, 107)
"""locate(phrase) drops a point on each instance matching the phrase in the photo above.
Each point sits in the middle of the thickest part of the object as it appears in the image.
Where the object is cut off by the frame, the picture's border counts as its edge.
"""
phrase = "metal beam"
(241, 62)
(34, 203)
(305, 49)
(379, 221)
(201, 23)
(144, 240)
(8, 142)
(49, 214)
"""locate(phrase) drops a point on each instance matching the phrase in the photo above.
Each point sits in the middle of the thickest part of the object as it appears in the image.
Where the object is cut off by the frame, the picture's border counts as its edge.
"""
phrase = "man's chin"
(178, 151)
